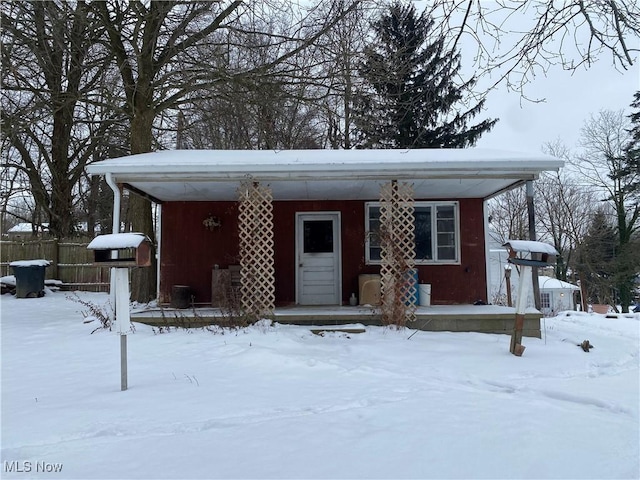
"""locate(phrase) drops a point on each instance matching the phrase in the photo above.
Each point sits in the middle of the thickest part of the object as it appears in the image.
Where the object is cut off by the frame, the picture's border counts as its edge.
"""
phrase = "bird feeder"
(529, 253)
(121, 251)
(526, 254)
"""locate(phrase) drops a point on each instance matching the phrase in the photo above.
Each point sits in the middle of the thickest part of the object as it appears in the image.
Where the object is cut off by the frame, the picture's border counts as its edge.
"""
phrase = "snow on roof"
(531, 246)
(30, 263)
(114, 241)
(212, 175)
(257, 161)
(555, 284)
(26, 227)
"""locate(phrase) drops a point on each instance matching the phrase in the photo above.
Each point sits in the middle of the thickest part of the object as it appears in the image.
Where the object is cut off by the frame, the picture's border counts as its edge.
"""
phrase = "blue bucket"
(414, 292)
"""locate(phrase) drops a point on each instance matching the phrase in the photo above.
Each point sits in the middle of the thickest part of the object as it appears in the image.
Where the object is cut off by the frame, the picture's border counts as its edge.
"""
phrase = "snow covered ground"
(280, 402)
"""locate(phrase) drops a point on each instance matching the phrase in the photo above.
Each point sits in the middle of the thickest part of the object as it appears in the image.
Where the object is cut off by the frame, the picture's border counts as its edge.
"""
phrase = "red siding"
(467, 282)
(352, 223)
(190, 251)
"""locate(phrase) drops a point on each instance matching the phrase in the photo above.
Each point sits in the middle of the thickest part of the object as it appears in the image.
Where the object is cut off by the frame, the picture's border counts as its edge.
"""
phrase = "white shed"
(556, 295)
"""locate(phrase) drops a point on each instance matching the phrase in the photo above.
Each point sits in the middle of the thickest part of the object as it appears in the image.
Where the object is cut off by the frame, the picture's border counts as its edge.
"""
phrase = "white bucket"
(425, 294)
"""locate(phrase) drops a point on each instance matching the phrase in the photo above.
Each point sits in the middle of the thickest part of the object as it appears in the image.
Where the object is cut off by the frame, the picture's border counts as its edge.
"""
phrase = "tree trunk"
(139, 213)
(143, 280)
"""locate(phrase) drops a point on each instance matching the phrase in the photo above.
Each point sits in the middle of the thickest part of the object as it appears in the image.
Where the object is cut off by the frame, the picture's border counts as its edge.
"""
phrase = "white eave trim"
(199, 165)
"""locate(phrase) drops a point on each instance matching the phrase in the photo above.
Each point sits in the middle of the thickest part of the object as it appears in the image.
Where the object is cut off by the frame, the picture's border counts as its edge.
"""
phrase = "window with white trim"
(545, 300)
(437, 232)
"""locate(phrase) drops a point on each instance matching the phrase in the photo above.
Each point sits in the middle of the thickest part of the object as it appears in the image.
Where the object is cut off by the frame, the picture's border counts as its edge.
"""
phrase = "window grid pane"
(374, 234)
(438, 247)
(446, 228)
(423, 233)
(545, 300)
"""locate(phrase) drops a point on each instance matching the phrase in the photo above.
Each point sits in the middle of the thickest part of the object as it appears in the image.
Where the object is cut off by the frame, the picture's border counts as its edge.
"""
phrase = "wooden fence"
(71, 262)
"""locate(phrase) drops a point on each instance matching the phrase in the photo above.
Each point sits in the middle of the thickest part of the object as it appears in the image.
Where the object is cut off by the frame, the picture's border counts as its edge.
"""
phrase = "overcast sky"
(570, 99)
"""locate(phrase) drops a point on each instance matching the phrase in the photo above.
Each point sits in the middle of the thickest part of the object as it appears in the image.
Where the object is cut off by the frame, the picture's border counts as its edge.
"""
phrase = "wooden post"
(55, 253)
(507, 276)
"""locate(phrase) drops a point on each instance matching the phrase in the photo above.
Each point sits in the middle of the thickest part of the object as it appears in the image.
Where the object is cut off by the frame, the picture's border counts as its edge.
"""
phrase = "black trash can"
(180, 296)
(29, 277)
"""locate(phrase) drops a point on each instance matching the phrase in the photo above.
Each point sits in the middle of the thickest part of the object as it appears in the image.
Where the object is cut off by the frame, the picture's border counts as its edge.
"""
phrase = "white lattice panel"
(256, 250)
(397, 242)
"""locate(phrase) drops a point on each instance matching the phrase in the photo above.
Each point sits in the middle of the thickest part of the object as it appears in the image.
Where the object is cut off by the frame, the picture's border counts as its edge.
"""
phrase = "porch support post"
(397, 242)
(532, 236)
(257, 270)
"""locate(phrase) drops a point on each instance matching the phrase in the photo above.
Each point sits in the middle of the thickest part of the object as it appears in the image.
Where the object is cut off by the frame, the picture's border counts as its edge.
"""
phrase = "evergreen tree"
(628, 259)
(632, 150)
(410, 99)
(597, 254)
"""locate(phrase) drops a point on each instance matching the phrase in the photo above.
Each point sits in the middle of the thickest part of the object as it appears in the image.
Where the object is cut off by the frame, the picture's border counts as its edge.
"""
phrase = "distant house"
(26, 230)
(557, 296)
(316, 210)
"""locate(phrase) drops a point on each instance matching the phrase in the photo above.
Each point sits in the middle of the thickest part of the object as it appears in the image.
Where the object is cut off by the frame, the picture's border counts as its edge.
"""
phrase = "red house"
(312, 227)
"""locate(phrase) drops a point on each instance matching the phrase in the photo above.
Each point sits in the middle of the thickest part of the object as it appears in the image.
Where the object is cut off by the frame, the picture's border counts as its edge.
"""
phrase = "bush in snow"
(101, 313)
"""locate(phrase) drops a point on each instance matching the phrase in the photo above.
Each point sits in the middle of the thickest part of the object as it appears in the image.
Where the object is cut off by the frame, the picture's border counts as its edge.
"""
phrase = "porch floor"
(453, 318)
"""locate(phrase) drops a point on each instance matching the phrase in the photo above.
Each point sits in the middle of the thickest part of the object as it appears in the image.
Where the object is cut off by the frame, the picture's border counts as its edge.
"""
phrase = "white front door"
(318, 275)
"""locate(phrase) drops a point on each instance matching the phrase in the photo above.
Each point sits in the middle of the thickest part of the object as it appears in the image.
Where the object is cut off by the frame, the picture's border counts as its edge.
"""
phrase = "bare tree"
(604, 138)
(14, 187)
(268, 115)
(508, 215)
(156, 46)
(50, 62)
(564, 209)
(343, 51)
(517, 40)
(274, 110)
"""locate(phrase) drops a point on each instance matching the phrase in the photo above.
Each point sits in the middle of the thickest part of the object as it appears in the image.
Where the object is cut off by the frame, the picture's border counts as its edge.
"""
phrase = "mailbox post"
(121, 251)
(526, 254)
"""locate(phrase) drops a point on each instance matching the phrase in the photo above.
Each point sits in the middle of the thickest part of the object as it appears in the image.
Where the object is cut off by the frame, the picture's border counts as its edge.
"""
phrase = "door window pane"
(318, 236)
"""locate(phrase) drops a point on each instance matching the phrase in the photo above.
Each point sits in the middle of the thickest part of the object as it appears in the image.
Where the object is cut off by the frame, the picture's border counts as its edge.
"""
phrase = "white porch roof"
(201, 175)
